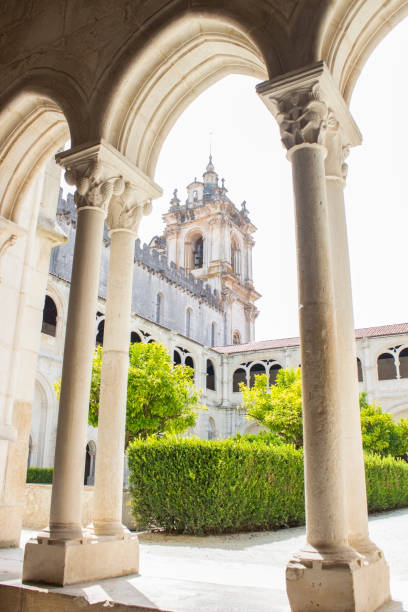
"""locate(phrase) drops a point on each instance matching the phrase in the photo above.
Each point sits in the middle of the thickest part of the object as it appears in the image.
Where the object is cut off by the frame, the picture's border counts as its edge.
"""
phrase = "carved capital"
(304, 102)
(101, 173)
(126, 210)
(302, 116)
(93, 187)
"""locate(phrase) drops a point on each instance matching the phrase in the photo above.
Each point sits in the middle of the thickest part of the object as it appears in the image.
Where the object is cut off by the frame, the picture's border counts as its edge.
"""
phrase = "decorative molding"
(100, 172)
(303, 102)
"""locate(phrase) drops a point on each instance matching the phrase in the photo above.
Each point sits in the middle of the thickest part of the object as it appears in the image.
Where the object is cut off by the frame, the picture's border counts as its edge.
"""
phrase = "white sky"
(247, 152)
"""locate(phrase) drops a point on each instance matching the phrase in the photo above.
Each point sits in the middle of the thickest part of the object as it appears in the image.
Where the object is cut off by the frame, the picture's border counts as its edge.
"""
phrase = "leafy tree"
(381, 435)
(279, 407)
(161, 398)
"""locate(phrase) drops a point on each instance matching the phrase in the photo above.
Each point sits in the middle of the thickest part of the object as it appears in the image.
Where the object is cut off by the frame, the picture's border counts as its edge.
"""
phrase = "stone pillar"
(67, 554)
(337, 145)
(328, 573)
(124, 218)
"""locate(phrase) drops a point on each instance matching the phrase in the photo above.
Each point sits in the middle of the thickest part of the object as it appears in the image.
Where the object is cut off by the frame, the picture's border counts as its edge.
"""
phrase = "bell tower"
(211, 238)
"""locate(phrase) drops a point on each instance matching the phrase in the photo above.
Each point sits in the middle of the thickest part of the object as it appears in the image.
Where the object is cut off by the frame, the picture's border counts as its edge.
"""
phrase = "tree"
(381, 434)
(161, 398)
(279, 407)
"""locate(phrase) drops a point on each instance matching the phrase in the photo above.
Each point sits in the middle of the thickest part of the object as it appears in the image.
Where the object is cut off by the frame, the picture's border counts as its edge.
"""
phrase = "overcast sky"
(247, 152)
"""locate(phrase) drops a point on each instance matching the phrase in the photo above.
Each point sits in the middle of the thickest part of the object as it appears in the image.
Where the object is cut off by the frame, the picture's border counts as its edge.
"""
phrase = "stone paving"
(232, 573)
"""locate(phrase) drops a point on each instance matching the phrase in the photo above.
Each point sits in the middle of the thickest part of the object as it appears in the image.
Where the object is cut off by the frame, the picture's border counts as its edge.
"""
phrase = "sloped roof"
(363, 332)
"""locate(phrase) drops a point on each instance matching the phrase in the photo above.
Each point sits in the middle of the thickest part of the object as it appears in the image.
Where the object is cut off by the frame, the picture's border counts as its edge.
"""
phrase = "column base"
(57, 562)
(334, 583)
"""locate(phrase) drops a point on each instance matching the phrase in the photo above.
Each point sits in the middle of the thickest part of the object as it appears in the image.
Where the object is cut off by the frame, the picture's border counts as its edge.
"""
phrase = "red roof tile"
(363, 332)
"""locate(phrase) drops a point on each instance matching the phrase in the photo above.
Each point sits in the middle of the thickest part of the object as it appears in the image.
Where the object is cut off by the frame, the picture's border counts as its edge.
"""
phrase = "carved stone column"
(66, 554)
(328, 573)
(338, 141)
(124, 217)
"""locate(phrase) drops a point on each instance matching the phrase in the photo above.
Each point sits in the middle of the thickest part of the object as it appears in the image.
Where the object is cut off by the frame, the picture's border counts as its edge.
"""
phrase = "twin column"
(338, 568)
(107, 186)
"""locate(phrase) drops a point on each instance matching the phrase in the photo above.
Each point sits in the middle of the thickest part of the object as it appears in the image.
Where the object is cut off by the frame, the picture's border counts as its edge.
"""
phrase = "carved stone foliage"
(126, 211)
(92, 187)
(302, 116)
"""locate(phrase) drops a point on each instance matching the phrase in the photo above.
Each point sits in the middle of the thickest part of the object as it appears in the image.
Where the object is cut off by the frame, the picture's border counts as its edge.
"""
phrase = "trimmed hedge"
(199, 487)
(196, 486)
(39, 475)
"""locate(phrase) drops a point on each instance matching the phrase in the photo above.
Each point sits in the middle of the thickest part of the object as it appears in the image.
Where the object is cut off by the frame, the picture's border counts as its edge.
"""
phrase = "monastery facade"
(193, 291)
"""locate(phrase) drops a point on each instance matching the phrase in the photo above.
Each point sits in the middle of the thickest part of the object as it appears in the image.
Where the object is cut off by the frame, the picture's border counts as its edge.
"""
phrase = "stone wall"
(38, 502)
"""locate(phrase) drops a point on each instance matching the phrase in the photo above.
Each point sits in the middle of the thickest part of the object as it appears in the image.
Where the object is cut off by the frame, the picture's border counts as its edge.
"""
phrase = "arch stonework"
(120, 90)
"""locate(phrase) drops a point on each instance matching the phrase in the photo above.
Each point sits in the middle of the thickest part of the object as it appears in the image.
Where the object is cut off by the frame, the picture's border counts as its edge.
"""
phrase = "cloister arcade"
(113, 78)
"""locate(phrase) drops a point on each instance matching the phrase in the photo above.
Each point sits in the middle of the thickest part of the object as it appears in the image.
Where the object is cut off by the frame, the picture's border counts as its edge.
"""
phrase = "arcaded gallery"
(111, 79)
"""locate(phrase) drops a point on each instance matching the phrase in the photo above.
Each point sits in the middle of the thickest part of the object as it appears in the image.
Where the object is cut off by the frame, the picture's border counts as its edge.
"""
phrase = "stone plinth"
(48, 561)
(335, 584)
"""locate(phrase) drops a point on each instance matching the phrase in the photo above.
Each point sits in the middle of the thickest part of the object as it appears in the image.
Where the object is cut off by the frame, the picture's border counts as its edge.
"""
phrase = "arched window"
(89, 473)
(386, 367)
(189, 361)
(134, 337)
(236, 337)
(176, 357)
(403, 363)
(211, 433)
(273, 372)
(159, 308)
(359, 370)
(49, 320)
(188, 322)
(238, 377)
(235, 257)
(151, 340)
(255, 370)
(210, 384)
(198, 253)
(100, 333)
(213, 328)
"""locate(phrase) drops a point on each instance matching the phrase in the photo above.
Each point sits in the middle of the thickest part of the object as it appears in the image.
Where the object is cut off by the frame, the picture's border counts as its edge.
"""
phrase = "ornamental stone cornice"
(100, 172)
(304, 102)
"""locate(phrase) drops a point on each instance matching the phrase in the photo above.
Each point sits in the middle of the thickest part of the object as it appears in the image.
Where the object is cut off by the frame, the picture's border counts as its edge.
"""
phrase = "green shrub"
(387, 482)
(196, 486)
(39, 475)
(199, 487)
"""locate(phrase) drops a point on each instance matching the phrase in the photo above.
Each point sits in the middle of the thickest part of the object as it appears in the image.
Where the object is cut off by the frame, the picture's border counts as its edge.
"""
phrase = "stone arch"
(273, 372)
(255, 370)
(210, 378)
(177, 360)
(194, 245)
(135, 337)
(149, 95)
(238, 377)
(189, 361)
(348, 37)
(50, 316)
(403, 362)
(386, 366)
(33, 127)
(360, 376)
(253, 428)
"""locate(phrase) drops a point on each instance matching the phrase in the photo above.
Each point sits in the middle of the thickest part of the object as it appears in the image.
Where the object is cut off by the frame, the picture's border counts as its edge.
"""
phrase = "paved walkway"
(234, 573)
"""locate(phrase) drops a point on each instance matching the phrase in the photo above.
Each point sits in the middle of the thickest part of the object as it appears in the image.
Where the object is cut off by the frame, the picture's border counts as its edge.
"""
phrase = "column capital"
(100, 172)
(305, 103)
